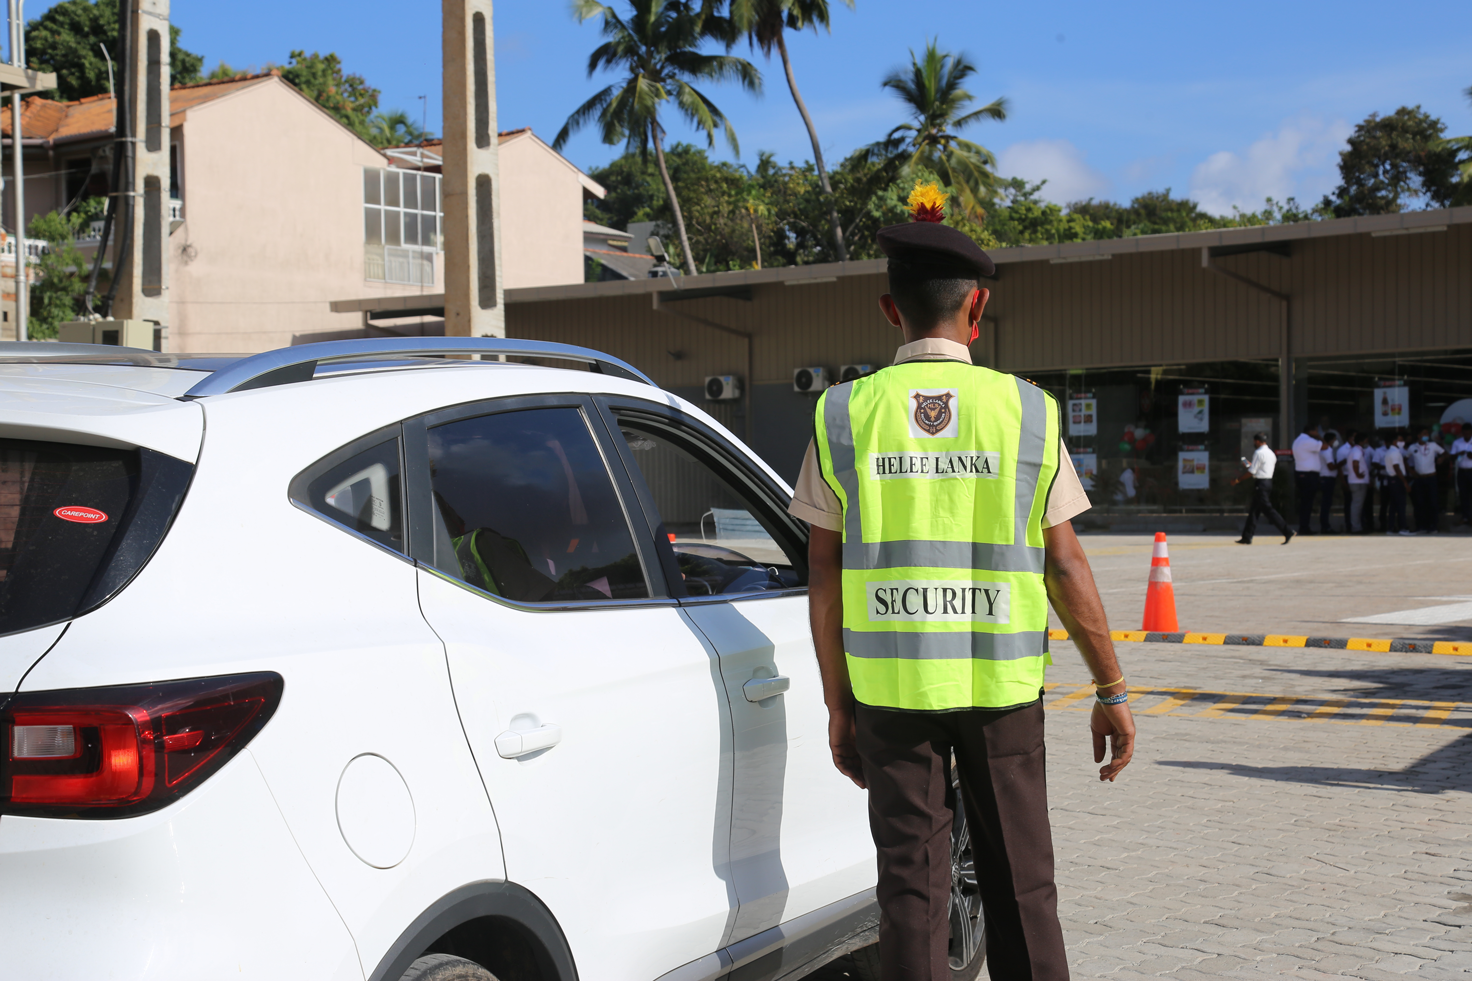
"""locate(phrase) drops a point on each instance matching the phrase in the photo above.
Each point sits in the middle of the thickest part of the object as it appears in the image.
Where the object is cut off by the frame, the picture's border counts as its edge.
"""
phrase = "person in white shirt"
(1378, 485)
(1328, 481)
(1306, 465)
(1462, 453)
(1357, 477)
(1424, 461)
(1260, 469)
(1341, 473)
(1396, 486)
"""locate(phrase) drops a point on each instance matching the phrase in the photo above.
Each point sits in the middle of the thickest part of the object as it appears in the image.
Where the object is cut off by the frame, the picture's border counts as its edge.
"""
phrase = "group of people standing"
(1356, 465)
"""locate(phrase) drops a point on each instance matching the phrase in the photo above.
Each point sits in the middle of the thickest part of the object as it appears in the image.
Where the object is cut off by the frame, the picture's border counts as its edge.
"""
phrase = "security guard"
(939, 498)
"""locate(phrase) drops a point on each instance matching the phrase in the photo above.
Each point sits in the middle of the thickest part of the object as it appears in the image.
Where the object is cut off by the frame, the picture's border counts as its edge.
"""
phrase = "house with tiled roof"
(279, 209)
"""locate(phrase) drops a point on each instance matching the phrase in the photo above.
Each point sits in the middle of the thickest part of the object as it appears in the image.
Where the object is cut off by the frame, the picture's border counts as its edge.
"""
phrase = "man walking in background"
(1357, 478)
(1306, 467)
(1260, 469)
(1341, 475)
(1424, 462)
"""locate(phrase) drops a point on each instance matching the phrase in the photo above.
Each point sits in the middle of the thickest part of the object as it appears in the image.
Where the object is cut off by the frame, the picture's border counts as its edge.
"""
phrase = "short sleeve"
(813, 500)
(1067, 498)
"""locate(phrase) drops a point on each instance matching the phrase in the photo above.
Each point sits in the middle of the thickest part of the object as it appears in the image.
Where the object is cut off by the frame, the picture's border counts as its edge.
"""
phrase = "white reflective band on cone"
(1160, 552)
(1160, 573)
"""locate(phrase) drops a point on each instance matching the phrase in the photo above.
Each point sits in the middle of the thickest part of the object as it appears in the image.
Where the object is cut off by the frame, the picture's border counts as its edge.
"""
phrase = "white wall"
(273, 224)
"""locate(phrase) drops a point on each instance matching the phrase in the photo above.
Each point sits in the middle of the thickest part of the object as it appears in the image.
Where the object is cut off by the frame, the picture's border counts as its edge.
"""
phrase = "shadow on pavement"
(1449, 684)
(1447, 768)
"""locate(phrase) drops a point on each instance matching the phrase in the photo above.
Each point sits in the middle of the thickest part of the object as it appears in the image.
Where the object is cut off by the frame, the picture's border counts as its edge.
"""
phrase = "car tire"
(968, 923)
(445, 967)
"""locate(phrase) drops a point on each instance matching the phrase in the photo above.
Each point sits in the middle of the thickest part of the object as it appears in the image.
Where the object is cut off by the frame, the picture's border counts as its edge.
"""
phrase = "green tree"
(348, 98)
(656, 52)
(395, 128)
(1023, 218)
(222, 73)
(765, 24)
(1393, 162)
(932, 92)
(1151, 213)
(1462, 146)
(67, 39)
(61, 271)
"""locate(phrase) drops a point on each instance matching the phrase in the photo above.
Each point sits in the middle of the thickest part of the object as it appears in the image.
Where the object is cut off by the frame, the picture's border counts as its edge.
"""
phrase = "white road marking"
(1425, 616)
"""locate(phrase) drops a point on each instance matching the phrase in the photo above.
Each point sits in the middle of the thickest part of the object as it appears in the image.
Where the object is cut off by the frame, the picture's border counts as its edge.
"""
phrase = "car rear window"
(77, 523)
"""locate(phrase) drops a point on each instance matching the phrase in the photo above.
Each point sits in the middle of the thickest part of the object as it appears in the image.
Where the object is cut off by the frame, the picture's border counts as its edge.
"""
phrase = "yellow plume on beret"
(927, 202)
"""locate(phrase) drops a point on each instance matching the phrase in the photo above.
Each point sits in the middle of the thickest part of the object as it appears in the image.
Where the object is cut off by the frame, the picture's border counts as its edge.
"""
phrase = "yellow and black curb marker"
(1253, 705)
(1458, 648)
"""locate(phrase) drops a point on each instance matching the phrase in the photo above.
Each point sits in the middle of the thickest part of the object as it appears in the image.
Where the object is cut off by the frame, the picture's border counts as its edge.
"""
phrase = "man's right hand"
(843, 741)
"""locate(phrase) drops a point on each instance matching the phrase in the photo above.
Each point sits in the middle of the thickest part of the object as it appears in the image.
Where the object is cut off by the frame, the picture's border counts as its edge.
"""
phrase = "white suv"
(370, 659)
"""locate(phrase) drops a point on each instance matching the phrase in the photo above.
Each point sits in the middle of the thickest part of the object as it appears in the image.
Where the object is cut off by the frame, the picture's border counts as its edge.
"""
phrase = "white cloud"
(1297, 161)
(1058, 162)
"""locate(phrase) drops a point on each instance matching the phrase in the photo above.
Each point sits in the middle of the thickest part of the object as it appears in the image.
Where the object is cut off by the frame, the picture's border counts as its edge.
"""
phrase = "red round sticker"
(81, 515)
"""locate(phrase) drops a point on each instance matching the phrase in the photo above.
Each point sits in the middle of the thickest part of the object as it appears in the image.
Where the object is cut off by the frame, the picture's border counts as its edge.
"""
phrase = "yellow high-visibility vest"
(943, 471)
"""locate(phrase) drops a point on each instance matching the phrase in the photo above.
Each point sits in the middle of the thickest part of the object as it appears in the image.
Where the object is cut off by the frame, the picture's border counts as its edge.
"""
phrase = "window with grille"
(402, 224)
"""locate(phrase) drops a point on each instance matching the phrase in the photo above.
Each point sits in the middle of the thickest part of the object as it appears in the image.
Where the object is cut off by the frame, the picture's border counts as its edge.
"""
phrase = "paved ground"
(1310, 586)
(1291, 813)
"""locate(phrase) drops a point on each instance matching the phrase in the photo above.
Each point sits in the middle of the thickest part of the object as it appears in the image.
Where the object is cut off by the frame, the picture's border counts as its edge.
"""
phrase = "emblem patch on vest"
(934, 414)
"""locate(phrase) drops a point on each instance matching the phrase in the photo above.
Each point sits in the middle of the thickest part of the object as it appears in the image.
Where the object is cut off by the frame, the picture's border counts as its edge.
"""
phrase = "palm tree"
(932, 92)
(765, 24)
(395, 128)
(655, 49)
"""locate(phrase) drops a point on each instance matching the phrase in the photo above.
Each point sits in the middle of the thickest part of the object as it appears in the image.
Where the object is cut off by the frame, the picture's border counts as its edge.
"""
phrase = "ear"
(890, 311)
(978, 304)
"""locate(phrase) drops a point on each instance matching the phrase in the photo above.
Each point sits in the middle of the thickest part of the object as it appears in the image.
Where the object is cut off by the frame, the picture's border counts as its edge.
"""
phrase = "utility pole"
(18, 176)
(18, 80)
(137, 224)
(474, 295)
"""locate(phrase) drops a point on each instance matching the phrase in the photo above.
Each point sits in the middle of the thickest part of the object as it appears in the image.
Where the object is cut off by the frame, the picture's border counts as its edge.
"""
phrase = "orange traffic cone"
(1160, 596)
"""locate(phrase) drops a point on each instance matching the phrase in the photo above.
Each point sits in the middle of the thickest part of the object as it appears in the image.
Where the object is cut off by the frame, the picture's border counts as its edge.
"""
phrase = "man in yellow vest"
(940, 499)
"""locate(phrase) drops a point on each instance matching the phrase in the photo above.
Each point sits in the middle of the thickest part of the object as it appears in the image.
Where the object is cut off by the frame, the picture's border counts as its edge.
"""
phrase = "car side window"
(724, 532)
(363, 493)
(524, 508)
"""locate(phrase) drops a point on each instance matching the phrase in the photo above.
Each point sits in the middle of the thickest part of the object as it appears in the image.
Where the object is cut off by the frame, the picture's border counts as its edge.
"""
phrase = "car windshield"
(76, 523)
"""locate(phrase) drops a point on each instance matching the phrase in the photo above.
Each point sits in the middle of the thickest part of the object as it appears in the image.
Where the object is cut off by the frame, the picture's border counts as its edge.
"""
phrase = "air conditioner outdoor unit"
(722, 388)
(851, 371)
(810, 379)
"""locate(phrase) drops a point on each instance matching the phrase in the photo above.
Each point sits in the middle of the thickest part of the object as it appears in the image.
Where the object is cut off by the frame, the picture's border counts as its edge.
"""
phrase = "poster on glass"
(1194, 411)
(1192, 468)
(1083, 420)
(1086, 465)
(1392, 404)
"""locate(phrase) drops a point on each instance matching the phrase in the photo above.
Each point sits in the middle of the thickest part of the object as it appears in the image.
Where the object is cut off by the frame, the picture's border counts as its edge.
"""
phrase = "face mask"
(1425, 439)
(1400, 444)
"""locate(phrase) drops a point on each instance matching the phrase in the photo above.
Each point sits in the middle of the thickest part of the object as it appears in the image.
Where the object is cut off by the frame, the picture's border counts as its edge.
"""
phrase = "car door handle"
(760, 689)
(515, 743)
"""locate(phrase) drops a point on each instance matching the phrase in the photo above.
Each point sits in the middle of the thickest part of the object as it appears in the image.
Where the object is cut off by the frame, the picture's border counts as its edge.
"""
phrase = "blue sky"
(1227, 103)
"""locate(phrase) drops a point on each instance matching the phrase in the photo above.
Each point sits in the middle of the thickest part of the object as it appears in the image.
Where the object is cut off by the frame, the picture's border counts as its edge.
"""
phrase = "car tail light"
(116, 752)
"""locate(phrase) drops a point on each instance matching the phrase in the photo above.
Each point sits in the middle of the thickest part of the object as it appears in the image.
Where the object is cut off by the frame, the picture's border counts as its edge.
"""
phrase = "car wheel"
(445, 967)
(967, 952)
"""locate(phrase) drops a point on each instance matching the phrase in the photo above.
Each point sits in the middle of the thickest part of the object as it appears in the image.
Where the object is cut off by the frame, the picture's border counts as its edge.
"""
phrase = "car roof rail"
(299, 363)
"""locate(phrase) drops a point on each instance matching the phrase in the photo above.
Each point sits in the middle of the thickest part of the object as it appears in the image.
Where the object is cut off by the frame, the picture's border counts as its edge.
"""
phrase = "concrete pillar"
(143, 289)
(474, 296)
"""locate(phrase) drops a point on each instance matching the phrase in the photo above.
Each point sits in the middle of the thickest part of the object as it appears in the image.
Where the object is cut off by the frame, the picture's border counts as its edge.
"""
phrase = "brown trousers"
(1001, 760)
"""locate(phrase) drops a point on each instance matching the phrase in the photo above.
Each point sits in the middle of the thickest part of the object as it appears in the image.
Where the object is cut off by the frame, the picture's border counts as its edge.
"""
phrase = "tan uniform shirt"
(814, 501)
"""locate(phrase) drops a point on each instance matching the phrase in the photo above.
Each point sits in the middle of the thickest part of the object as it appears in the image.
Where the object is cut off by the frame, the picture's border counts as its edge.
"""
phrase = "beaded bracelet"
(1119, 699)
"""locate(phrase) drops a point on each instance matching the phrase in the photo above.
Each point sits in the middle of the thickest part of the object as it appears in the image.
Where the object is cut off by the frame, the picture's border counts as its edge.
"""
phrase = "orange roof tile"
(62, 122)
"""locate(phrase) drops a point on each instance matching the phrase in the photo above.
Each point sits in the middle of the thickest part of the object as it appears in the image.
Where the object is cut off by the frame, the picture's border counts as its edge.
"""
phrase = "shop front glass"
(1166, 438)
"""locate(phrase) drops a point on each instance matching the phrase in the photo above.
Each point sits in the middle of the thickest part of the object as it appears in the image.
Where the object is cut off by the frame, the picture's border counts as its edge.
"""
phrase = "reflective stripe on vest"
(944, 603)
